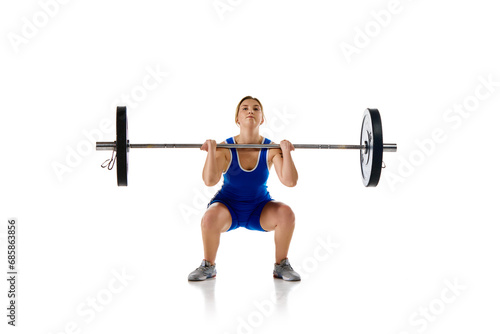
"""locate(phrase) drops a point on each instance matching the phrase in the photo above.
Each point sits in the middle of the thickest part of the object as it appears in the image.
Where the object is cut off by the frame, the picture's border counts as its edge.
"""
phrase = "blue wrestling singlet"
(244, 192)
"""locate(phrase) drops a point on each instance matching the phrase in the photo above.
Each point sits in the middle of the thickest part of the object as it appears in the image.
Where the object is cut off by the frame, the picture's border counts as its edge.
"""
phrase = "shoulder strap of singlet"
(264, 153)
(233, 160)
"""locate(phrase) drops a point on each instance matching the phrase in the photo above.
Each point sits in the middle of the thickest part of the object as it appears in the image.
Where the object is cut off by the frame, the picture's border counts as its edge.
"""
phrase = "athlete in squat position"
(243, 199)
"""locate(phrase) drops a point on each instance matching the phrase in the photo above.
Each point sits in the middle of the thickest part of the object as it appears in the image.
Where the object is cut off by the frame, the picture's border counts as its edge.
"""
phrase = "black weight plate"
(122, 146)
(371, 158)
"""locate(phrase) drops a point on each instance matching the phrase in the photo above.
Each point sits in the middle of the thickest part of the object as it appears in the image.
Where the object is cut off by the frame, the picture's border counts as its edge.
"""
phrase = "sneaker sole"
(200, 280)
(288, 280)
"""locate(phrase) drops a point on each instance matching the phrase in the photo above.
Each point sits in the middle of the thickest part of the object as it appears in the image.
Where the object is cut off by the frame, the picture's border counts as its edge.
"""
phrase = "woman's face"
(250, 113)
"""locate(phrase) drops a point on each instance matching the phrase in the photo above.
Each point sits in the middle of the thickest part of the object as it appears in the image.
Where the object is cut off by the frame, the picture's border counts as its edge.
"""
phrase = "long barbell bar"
(110, 146)
(371, 147)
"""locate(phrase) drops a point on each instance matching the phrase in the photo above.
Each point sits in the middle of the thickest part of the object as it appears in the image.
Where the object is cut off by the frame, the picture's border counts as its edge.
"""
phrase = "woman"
(243, 200)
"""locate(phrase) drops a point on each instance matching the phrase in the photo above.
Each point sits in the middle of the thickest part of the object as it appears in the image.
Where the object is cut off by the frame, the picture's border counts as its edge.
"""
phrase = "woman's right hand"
(209, 145)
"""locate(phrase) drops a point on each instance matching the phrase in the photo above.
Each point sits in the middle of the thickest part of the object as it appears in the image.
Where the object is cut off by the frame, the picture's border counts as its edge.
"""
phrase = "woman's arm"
(284, 166)
(214, 165)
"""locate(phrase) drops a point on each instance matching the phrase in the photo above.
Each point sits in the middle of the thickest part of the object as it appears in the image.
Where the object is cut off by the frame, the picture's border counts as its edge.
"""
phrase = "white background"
(431, 222)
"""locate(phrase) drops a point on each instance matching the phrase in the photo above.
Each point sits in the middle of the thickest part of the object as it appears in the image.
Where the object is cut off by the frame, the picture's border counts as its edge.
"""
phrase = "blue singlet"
(244, 192)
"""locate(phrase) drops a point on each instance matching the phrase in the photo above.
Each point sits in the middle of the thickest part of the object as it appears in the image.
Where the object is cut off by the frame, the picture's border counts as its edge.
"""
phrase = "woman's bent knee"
(216, 218)
(285, 213)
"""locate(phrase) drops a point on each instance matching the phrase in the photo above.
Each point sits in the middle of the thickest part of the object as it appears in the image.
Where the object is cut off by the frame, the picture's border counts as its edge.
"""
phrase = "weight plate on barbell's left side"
(122, 146)
(371, 157)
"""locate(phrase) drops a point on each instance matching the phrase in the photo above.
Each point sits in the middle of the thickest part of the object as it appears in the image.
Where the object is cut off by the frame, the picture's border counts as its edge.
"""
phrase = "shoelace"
(286, 267)
(202, 268)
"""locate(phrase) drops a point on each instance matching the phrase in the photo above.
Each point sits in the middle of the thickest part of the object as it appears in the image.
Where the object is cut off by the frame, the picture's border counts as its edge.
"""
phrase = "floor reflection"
(279, 296)
(282, 290)
(207, 288)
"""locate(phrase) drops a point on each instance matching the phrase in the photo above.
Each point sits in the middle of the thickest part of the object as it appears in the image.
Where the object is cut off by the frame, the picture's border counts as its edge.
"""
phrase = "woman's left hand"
(286, 146)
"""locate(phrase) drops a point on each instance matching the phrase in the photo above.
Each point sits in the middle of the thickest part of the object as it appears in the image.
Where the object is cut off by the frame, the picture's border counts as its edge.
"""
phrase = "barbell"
(371, 147)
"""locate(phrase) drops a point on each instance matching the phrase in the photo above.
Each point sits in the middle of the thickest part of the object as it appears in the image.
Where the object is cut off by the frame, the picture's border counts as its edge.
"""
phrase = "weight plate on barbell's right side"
(122, 146)
(371, 157)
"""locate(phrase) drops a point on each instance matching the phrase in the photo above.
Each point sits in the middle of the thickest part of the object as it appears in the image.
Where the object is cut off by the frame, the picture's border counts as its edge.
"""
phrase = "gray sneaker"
(285, 271)
(204, 271)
